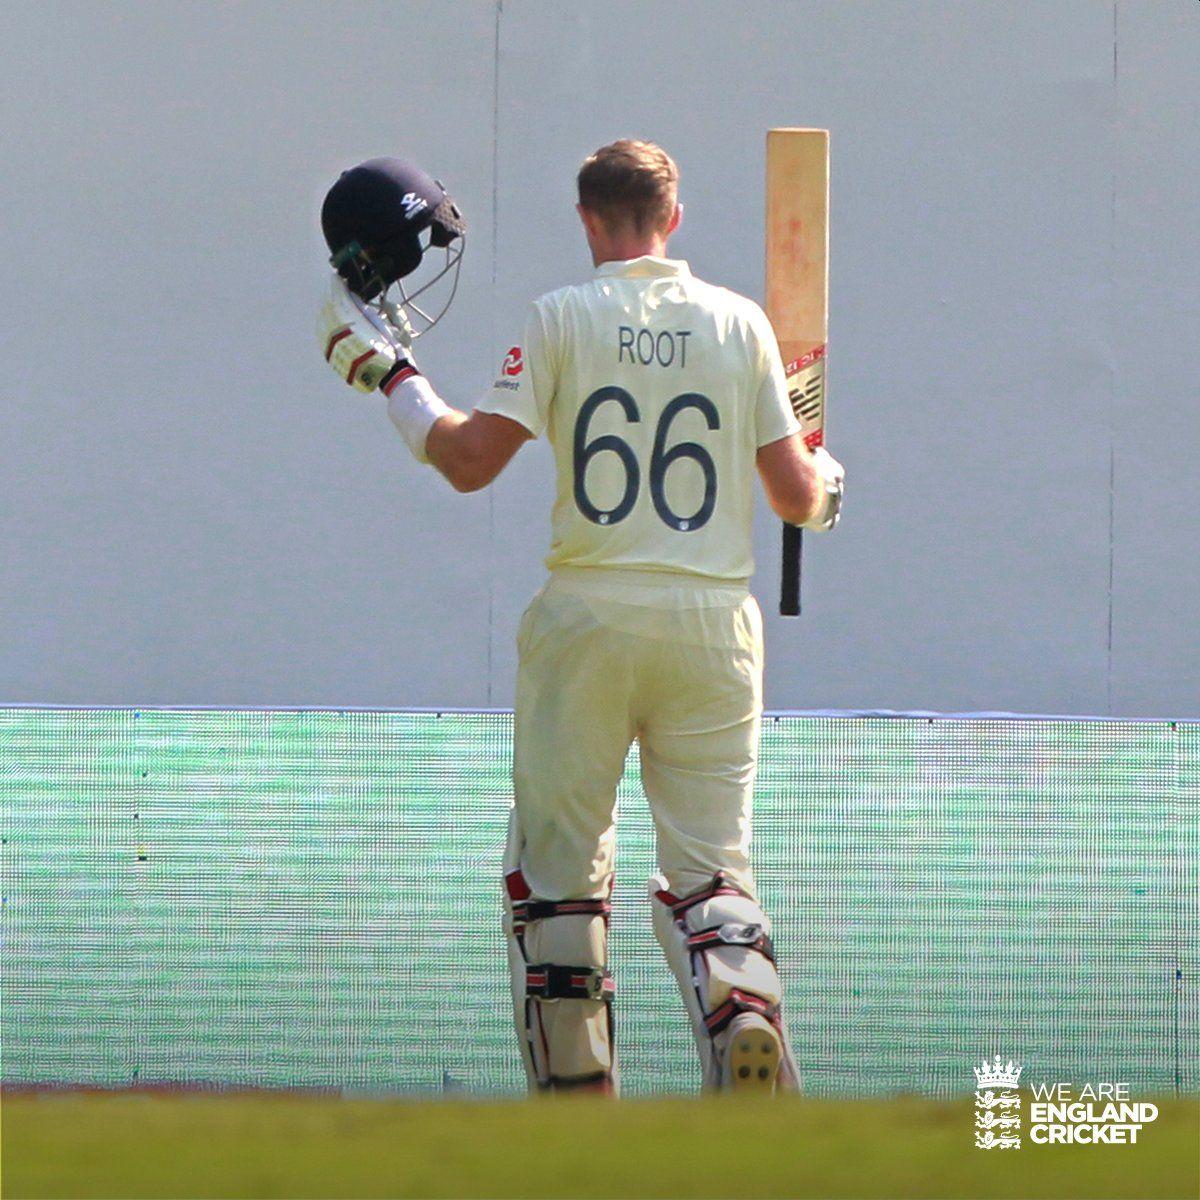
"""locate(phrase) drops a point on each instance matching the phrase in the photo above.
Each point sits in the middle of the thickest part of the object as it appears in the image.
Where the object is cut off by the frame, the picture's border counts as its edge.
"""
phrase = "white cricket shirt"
(655, 389)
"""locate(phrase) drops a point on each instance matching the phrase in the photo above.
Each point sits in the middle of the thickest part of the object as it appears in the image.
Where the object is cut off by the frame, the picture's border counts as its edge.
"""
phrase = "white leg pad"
(719, 951)
(566, 1038)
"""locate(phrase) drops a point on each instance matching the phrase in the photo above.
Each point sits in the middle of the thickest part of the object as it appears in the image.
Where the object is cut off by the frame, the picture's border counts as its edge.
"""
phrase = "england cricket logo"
(997, 1106)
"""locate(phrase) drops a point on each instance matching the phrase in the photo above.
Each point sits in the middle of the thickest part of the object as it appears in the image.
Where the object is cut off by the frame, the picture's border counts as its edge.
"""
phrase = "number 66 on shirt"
(660, 459)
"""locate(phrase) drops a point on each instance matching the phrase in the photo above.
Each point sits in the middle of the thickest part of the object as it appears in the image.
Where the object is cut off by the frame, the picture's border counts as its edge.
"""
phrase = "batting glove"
(831, 477)
(361, 345)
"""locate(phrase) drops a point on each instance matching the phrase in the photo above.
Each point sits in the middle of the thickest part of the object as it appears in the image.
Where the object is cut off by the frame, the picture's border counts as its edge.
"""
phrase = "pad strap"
(553, 981)
(722, 885)
(733, 934)
(524, 911)
(739, 1002)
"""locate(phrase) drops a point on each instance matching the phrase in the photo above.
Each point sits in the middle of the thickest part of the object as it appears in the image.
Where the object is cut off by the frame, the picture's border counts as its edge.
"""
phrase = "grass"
(256, 1145)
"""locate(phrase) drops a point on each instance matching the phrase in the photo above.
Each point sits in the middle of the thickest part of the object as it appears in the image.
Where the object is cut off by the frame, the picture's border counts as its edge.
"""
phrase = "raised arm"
(470, 451)
(368, 352)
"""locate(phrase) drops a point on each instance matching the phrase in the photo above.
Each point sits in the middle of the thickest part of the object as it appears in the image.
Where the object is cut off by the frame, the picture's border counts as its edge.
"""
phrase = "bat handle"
(789, 580)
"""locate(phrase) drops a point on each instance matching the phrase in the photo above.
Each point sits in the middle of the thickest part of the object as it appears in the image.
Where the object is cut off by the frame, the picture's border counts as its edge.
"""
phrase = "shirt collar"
(647, 265)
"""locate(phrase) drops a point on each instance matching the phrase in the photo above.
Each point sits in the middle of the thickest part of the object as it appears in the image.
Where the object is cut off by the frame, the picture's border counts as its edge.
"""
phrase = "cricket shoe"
(753, 1052)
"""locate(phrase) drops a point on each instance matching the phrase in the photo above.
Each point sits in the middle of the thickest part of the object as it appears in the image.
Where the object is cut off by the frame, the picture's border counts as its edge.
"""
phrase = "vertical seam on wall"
(491, 552)
(1112, 375)
(1179, 894)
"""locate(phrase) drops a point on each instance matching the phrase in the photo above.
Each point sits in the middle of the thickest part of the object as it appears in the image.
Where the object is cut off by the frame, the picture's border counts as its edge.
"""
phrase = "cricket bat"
(798, 295)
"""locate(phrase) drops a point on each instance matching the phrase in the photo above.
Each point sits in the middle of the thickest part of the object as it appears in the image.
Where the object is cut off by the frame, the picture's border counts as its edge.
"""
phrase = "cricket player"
(662, 397)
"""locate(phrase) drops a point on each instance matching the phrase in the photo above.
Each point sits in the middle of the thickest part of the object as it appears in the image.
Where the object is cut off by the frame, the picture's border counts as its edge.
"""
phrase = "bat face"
(798, 266)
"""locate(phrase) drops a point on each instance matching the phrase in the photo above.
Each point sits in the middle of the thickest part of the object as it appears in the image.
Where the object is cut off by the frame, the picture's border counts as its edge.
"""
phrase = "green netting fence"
(311, 899)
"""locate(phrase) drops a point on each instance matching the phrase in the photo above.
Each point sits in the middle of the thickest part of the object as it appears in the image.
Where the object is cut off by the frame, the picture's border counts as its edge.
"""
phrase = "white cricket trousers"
(607, 657)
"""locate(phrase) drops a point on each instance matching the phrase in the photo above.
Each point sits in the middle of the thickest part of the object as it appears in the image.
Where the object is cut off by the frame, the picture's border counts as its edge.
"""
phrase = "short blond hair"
(630, 183)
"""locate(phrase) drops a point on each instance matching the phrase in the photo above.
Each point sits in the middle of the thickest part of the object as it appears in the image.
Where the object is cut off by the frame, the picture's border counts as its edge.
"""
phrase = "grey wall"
(194, 512)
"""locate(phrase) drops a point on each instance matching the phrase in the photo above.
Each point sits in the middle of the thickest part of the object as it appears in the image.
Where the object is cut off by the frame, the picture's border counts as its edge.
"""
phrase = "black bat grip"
(789, 580)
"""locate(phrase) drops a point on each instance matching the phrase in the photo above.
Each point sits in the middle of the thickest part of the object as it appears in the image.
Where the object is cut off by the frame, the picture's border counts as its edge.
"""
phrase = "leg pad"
(562, 990)
(718, 944)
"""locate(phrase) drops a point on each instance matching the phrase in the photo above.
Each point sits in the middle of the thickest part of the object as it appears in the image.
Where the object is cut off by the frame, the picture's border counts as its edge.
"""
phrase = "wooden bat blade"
(798, 266)
(798, 295)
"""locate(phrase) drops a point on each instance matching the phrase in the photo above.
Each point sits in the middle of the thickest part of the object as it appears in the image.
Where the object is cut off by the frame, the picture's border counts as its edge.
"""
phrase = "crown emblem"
(997, 1074)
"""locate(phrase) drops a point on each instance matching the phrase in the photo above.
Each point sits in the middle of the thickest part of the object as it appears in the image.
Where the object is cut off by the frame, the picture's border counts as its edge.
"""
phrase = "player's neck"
(621, 250)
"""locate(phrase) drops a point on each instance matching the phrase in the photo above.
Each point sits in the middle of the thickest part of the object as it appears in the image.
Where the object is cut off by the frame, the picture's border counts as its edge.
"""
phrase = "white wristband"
(415, 408)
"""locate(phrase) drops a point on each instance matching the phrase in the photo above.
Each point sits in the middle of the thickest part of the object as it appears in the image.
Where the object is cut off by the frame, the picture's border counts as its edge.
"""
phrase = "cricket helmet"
(380, 220)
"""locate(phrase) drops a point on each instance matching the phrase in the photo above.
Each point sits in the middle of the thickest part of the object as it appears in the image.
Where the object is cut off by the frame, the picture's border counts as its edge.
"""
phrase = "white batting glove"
(358, 342)
(831, 477)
